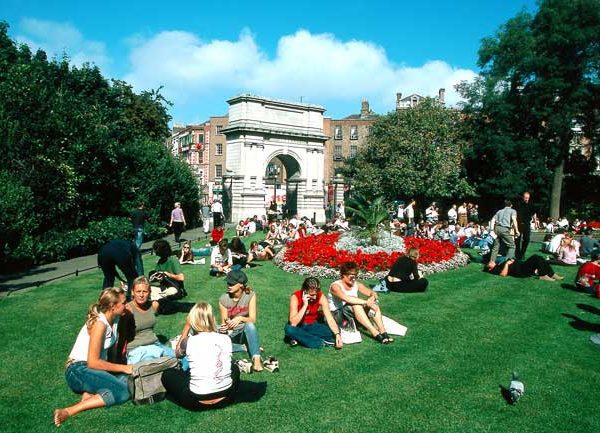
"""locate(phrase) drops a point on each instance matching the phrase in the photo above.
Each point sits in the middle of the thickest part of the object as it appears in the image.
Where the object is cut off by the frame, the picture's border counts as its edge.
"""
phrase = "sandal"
(381, 338)
(387, 336)
(271, 364)
(244, 365)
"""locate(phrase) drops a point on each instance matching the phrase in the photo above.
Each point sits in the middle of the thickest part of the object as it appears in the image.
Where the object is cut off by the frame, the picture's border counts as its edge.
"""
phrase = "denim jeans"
(139, 237)
(111, 387)
(311, 335)
(248, 335)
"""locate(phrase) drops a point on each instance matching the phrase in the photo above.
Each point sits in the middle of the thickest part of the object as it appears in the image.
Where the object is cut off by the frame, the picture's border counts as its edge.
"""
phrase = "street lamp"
(273, 171)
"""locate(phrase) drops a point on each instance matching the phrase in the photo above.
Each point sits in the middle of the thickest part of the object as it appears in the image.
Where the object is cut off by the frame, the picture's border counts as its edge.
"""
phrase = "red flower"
(320, 250)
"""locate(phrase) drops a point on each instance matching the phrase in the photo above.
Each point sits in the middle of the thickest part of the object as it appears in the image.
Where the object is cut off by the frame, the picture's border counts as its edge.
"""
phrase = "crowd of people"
(122, 322)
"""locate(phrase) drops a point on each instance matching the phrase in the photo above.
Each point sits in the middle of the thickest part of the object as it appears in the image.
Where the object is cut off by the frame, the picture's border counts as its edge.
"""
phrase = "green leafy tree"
(417, 152)
(540, 78)
(82, 149)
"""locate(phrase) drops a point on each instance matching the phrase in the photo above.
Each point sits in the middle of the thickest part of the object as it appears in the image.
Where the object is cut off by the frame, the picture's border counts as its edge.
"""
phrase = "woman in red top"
(217, 234)
(307, 306)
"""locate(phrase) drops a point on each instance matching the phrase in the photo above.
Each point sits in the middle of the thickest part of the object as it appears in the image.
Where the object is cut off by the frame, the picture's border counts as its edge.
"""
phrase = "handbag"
(144, 384)
(350, 333)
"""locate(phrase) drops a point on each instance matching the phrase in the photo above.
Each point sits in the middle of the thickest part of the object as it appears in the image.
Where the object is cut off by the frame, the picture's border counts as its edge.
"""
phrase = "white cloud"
(319, 67)
(57, 39)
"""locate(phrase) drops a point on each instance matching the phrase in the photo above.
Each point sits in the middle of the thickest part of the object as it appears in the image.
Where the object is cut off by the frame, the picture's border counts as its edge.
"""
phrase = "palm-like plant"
(368, 214)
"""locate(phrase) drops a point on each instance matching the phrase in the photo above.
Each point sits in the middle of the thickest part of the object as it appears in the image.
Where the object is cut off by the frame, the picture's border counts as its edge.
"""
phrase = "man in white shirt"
(452, 215)
(217, 211)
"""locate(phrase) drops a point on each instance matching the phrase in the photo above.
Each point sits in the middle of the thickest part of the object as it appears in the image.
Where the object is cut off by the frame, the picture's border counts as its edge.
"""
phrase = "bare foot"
(85, 396)
(491, 265)
(546, 278)
(60, 416)
(256, 364)
(558, 277)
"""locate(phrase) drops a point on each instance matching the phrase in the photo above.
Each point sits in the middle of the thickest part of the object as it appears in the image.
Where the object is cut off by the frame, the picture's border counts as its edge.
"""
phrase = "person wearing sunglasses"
(345, 303)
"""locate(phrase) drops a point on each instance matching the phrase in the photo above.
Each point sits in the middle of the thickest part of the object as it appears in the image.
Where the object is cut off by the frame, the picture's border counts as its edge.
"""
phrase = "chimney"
(364, 108)
(398, 99)
(441, 96)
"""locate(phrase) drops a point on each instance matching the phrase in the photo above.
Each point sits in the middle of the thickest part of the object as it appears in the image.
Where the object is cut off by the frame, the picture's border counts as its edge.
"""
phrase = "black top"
(138, 217)
(404, 268)
(525, 212)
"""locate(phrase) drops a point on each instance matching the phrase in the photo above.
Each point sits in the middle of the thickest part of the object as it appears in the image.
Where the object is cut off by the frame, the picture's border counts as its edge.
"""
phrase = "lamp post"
(273, 171)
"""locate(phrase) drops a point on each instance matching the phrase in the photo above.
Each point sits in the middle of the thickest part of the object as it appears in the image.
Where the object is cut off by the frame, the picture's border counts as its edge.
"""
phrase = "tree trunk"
(557, 183)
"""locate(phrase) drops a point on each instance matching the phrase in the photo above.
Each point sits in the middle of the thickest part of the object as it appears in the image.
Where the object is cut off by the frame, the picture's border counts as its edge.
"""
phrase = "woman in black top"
(404, 275)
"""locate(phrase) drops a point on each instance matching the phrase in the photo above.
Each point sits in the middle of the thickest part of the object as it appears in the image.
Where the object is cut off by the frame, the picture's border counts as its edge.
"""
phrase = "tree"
(368, 214)
(540, 77)
(417, 152)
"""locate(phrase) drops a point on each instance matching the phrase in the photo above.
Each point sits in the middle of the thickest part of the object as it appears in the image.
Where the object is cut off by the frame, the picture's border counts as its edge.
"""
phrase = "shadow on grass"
(506, 394)
(582, 325)
(174, 307)
(249, 392)
(589, 308)
(574, 288)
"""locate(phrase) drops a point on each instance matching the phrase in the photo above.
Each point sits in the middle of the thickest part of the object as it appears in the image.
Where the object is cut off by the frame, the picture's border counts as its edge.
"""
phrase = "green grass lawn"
(466, 335)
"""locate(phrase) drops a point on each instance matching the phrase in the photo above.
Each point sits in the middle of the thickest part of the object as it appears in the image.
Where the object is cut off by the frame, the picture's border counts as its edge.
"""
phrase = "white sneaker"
(595, 339)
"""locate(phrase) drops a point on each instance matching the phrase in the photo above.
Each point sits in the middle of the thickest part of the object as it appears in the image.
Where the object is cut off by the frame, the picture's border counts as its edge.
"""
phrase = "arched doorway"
(282, 176)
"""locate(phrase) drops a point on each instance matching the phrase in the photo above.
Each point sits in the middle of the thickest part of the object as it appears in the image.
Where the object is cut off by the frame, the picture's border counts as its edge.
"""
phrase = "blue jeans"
(311, 335)
(111, 387)
(138, 234)
(248, 335)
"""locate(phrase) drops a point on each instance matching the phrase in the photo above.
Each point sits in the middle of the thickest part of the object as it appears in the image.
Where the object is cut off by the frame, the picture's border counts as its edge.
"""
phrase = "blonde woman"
(212, 377)
(101, 383)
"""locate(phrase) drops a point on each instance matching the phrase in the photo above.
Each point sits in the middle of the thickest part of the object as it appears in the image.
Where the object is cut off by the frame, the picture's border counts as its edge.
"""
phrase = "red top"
(588, 273)
(312, 312)
(217, 234)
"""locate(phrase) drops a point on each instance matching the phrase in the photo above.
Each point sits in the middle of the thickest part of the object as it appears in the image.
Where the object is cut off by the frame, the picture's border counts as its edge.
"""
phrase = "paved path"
(44, 274)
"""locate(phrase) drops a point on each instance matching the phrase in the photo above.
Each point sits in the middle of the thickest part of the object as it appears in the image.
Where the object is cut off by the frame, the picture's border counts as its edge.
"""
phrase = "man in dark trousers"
(120, 254)
(525, 213)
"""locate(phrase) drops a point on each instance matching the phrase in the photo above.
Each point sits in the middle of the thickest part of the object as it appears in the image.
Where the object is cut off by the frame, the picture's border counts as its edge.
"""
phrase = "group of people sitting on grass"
(208, 375)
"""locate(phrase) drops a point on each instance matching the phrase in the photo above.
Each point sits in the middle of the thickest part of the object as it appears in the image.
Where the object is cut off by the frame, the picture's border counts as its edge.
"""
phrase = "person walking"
(217, 213)
(122, 254)
(504, 221)
(525, 213)
(177, 221)
(138, 218)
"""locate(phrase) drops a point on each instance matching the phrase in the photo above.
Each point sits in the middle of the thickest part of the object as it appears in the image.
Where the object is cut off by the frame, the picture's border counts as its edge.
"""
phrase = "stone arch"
(263, 131)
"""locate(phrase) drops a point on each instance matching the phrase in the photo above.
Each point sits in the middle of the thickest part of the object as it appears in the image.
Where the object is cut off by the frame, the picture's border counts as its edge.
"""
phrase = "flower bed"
(320, 256)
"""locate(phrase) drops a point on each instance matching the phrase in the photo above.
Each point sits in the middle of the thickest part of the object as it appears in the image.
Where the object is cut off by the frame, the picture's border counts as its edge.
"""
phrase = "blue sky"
(330, 53)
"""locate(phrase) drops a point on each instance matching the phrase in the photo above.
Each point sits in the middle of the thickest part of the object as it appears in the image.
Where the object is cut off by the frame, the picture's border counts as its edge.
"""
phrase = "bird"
(516, 388)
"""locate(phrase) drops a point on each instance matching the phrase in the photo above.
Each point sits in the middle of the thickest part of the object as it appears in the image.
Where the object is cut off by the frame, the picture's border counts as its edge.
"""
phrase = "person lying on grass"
(308, 307)
(534, 265)
(345, 303)
(101, 383)
(213, 377)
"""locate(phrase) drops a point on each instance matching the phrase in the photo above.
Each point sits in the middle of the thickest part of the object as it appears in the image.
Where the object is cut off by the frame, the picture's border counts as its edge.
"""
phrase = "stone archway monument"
(273, 143)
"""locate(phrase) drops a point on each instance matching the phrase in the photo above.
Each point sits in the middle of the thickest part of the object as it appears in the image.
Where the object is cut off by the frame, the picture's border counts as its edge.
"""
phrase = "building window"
(337, 152)
(219, 149)
(353, 150)
(337, 133)
(218, 170)
(200, 138)
(219, 129)
(354, 132)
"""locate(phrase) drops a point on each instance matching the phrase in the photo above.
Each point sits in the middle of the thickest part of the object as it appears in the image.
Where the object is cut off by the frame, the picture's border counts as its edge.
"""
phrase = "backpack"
(145, 386)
